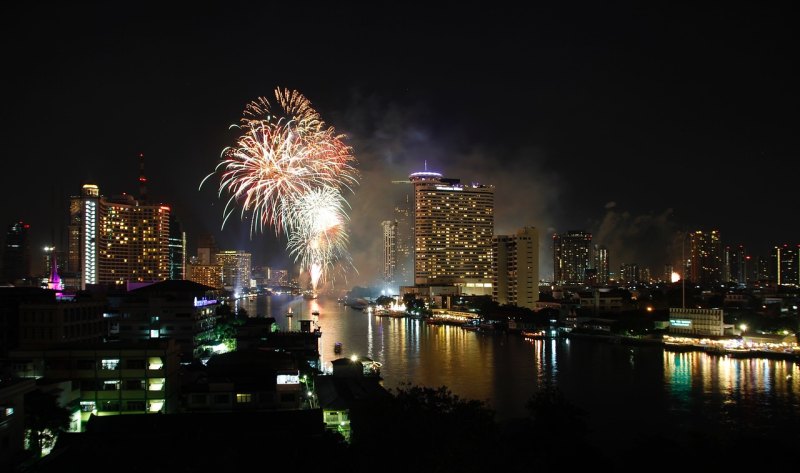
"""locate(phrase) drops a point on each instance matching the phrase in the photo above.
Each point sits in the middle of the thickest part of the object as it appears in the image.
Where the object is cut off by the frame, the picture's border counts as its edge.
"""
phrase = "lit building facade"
(235, 268)
(698, 322)
(389, 228)
(515, 268)
(114, 378)
(404, 243)
(601, 264)
(206, 274)
(117, 240)
(629, 273)
(453, 230)
(177, 249)
(571, 257)
(735, 265)
(706, 257)
(787, 269)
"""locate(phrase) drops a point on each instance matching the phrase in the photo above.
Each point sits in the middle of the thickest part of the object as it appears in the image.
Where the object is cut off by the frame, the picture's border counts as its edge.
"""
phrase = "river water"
(626, 392)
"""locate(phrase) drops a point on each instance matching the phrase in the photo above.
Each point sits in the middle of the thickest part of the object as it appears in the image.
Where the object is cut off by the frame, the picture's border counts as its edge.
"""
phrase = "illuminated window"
(109, 364)
(242, 398)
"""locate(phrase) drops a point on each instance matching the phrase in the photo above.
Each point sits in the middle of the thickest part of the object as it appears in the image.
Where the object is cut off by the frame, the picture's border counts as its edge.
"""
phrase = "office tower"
(177, 249)
(706, 257)
(629, 273)
(785, 262)
(762, 269)
(735, 265)
(515, 268)
(235, 269)
(17, 252)
(601, 264)
(389, 249)
(571, 252)
(453, 229)
(644, 275)
(404, 243)
(116, 240)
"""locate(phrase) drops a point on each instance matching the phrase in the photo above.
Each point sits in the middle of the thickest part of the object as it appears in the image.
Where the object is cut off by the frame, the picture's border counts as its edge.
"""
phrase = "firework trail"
(318, 236)
(286, 161)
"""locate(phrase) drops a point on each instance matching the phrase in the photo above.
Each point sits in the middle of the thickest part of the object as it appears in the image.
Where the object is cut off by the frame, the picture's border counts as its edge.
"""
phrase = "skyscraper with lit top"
(453, 230)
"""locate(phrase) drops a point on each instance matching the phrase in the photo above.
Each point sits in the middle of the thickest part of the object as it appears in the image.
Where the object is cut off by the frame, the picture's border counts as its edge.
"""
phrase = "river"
(628, 392)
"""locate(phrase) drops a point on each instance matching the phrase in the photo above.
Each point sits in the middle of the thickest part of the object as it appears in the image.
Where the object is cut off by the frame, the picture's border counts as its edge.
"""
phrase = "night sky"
(633, 122)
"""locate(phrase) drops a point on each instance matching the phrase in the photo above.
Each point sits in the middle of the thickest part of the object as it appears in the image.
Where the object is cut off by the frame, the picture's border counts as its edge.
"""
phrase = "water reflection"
(638, 390)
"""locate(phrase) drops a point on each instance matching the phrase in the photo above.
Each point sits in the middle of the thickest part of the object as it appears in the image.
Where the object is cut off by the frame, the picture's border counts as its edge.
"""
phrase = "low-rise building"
(114, 378)
(698, 322)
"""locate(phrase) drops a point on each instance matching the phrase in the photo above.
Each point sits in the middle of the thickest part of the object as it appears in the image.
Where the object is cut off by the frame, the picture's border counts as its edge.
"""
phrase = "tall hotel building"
(516, 268)
(706, 257)
(453, 230)
(235, 269)
(571, 257)
(117, 240)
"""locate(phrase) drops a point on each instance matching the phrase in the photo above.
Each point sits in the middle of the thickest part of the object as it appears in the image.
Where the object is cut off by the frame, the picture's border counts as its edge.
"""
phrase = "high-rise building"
(133, 241)
(601, 264)
(453, 229)
(206, 274)
(404, 243)
(235, 269)
(571, 257)
(515, 268)
(207, 249)
(762, 270)
(17, 252)
(785, 262)
(706, 257)
(177, 249)
(644, 275)
(117, 240)
(629, 273)
(735, 265)
(389, 249)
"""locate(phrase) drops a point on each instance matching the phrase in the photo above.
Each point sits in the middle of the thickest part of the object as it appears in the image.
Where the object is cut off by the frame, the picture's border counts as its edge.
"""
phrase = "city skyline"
(628, 123)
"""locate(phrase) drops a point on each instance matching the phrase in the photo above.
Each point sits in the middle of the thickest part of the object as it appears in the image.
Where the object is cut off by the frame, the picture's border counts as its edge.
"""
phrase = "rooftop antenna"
(142, 180)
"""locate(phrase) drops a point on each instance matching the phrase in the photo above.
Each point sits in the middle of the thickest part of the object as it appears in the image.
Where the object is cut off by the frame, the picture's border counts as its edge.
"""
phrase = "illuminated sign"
(683, 323)
(446, 188)
(288, 379)
(204, 302)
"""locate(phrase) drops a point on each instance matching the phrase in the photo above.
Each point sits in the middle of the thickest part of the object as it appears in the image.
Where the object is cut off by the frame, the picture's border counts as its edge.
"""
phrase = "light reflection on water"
(630, 390)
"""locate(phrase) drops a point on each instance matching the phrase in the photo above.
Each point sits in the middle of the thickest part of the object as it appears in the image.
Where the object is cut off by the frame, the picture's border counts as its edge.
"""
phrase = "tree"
(44, 419)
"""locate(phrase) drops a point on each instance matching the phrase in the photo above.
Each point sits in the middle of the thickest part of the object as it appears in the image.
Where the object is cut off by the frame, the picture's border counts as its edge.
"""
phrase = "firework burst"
(288, 170)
